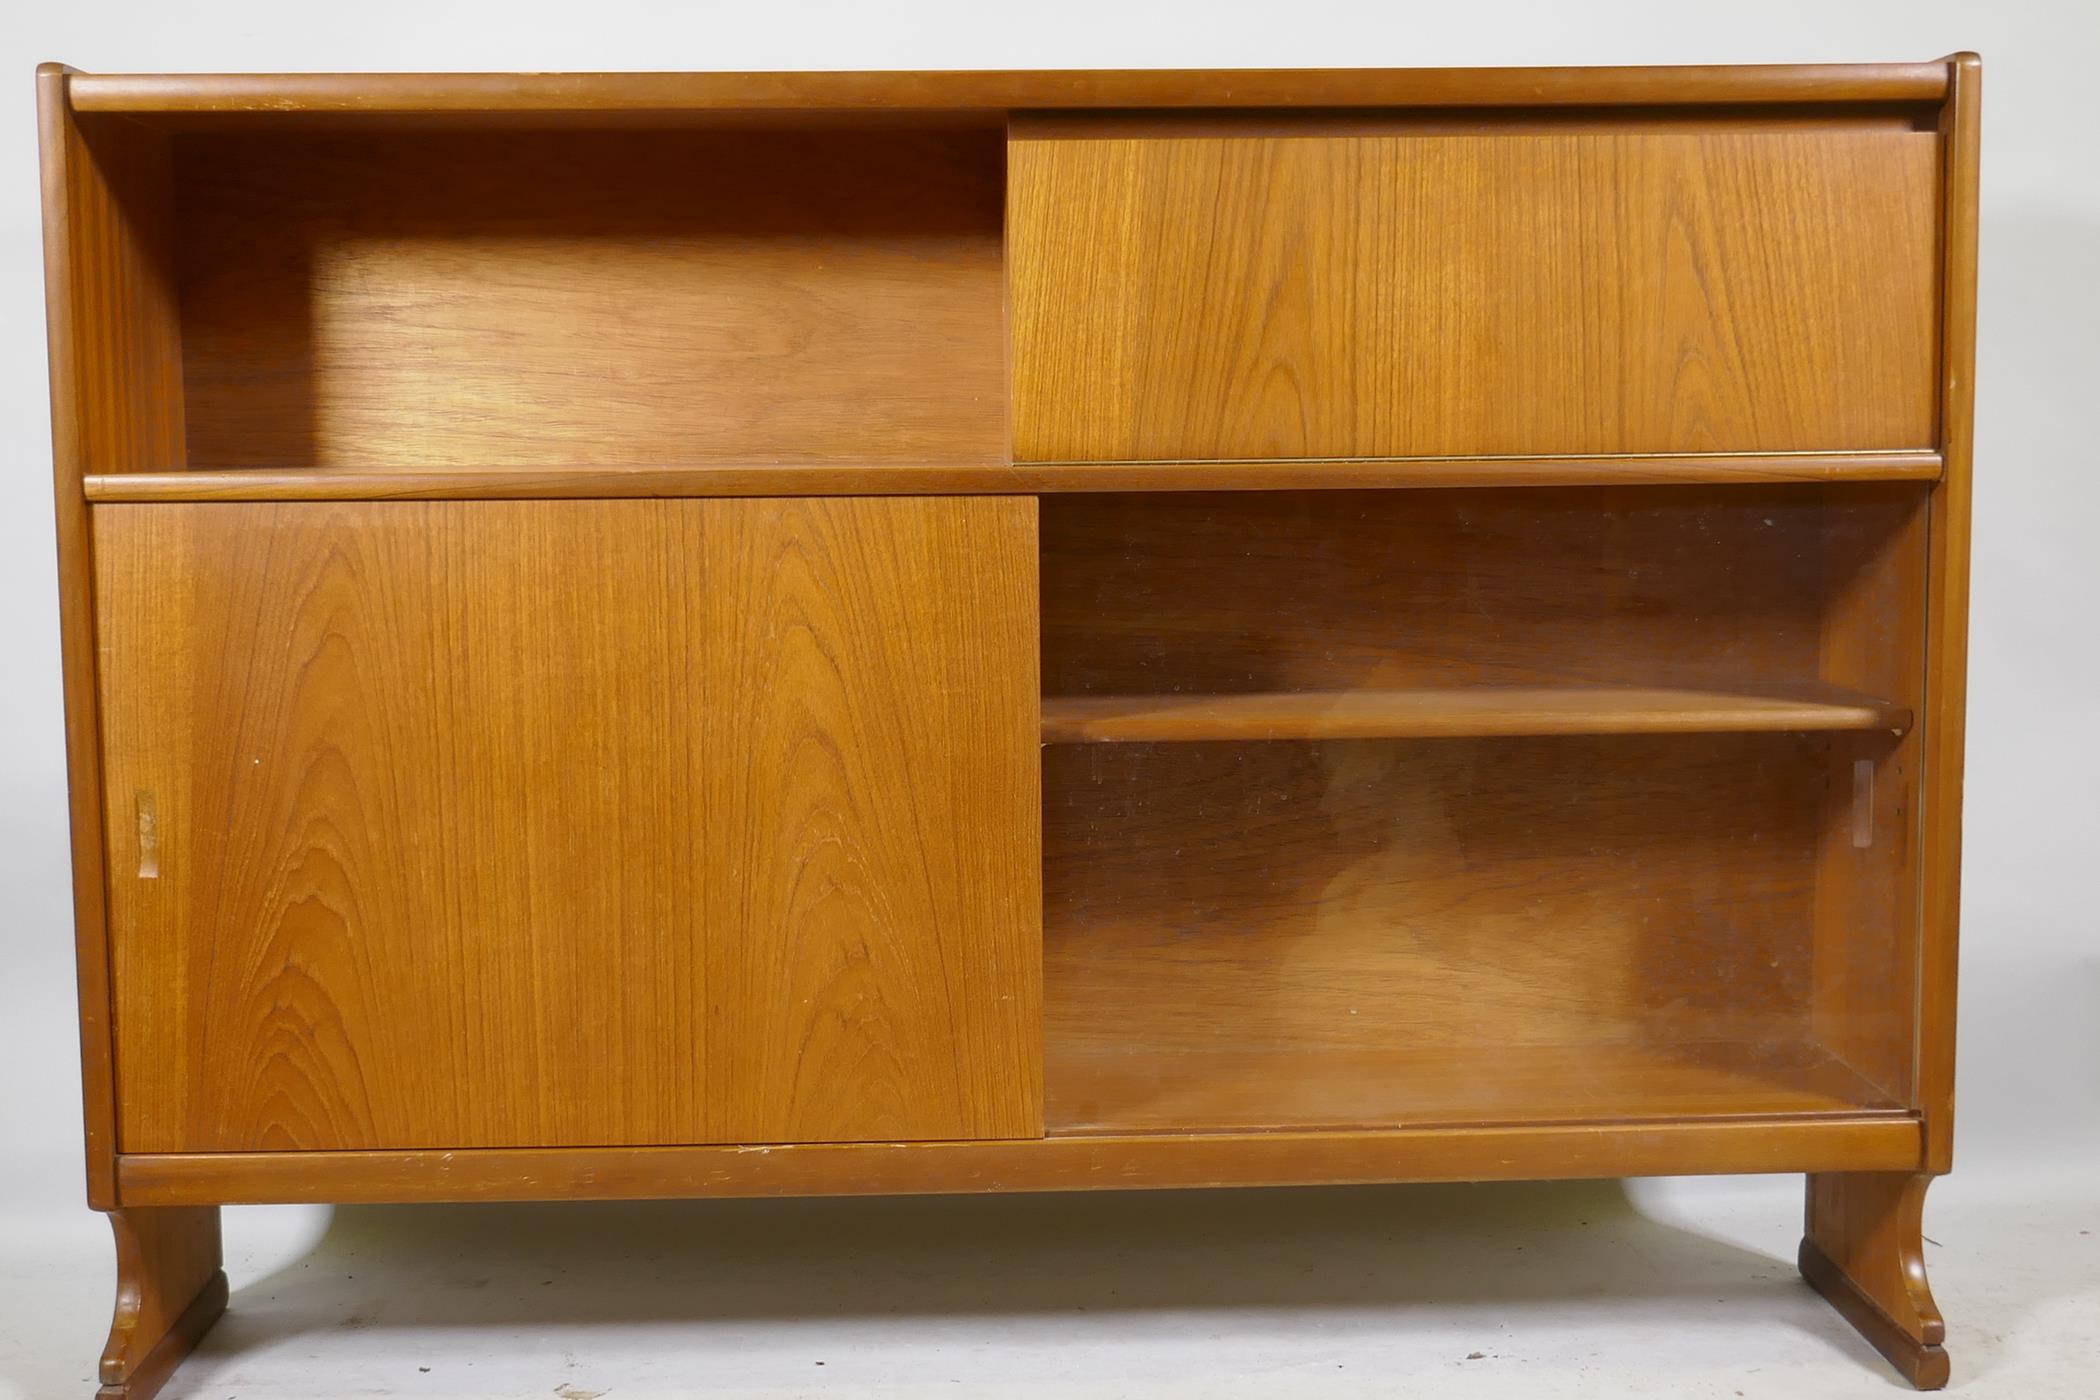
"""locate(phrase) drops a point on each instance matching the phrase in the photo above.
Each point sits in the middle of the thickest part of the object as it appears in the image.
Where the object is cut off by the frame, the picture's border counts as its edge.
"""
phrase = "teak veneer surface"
(584, 299)
(494, 824)
(1315, 295)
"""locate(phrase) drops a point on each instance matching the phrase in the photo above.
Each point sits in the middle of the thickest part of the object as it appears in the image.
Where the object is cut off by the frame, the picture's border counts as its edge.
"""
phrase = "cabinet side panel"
(1947, 591)
(116, 405)
(1315, 295)
(875, 900)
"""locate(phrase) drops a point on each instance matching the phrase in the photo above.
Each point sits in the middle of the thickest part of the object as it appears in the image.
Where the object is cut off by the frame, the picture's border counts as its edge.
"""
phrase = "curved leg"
(1865, 1252)
(170, 1290)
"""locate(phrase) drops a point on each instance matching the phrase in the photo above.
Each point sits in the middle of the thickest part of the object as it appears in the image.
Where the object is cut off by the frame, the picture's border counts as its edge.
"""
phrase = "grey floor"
(1680, 1289)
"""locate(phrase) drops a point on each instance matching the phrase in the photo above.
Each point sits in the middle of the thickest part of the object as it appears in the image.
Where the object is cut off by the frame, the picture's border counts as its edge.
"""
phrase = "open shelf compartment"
(460, 295)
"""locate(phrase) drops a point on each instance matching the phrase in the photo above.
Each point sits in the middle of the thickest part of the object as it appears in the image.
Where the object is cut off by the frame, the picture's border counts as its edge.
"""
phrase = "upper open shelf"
(546, 306)
(1467, 712)
(660, 285)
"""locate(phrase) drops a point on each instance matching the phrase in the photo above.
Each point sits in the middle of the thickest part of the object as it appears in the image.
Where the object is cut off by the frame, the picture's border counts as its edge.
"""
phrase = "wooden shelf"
(1134, 1089)
(985, 475)
(1469, 712)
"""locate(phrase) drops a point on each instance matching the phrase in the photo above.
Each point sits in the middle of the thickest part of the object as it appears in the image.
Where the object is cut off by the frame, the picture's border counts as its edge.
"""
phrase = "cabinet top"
(380, 94)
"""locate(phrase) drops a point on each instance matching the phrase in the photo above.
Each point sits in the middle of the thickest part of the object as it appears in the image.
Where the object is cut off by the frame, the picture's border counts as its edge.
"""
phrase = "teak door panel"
(506, 823)
(1370, 295)
(872, 794)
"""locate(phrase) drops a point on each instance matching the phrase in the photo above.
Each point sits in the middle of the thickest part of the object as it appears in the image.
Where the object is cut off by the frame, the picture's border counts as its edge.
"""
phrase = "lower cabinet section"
(571, 823)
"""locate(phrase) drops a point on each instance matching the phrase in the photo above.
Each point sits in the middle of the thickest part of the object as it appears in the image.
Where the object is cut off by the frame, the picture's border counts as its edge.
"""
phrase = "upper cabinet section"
(354, 286)
(1273, 287)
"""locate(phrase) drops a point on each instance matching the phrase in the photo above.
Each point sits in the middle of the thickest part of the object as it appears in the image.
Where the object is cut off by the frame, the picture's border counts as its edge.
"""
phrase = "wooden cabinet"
(1011, 632)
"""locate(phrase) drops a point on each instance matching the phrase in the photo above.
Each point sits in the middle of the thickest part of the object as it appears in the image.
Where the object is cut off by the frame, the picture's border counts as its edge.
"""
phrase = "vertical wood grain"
(434, 860)
(1311, 295)
(872, 803)
(1947, 614)
(116, 405)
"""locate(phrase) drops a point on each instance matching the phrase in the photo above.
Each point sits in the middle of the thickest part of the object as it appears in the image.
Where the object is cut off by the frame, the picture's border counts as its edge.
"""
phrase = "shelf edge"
(1003, 478)
(1458, 713)
(368, 94)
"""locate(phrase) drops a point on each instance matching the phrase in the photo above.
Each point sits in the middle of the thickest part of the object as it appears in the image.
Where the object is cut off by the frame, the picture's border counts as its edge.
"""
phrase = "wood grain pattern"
(995, 477)
(482, 300)
(1947, 616)
(283, 95)
(1864, 1250)
(1273, 297)
(458, 842)
(874, 904)
(116, 406)
(1865, 1142)
(1464, 712)
(170, 1289)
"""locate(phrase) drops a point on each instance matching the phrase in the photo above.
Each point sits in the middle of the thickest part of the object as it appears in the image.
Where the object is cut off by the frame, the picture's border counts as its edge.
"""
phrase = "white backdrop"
(2030, 1000)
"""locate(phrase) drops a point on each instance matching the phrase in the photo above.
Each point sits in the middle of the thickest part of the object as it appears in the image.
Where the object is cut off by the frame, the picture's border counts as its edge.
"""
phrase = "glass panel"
(1613, 824)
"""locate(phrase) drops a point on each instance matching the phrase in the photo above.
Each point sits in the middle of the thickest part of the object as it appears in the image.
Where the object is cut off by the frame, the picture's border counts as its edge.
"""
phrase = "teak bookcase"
(678, 635)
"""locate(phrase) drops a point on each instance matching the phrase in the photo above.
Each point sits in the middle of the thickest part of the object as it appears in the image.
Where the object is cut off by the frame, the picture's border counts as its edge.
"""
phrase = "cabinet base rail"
(1866, 1141)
